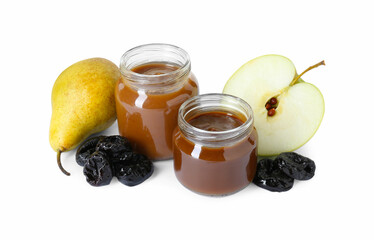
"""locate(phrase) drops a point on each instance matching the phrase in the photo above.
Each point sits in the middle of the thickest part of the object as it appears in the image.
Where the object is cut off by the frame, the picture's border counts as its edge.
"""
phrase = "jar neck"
(156, 53)
(215, 103)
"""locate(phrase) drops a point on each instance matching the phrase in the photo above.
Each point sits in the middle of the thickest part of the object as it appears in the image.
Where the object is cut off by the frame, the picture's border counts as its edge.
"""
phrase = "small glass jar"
(215, 162)
(156, 80)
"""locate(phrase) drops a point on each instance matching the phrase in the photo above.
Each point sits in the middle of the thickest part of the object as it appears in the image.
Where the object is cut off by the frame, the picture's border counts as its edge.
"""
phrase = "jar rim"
(155, 79)
(234, 133)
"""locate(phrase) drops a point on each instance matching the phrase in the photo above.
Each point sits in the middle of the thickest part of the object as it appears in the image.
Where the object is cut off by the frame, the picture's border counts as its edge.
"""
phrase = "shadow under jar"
(215, 145)
(156, 80)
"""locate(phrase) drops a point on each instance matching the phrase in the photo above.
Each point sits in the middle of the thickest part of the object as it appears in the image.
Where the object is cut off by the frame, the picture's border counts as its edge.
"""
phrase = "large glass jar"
(215, 145)
(156, 80)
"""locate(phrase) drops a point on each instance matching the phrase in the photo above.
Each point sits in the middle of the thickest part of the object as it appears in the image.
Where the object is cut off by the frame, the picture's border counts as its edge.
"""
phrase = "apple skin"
(300, 107)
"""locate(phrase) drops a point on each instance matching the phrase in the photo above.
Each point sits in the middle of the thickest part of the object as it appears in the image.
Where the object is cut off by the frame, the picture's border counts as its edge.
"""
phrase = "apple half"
(299, 109)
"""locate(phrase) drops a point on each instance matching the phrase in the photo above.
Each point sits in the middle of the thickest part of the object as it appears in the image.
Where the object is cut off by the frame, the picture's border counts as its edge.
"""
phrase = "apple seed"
(268, 106)
(273, 101)
(271, 112)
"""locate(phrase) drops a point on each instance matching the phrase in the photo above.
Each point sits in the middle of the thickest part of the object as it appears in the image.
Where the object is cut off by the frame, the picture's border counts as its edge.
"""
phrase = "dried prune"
(105, 157)
(270, 177)
(86, 149)
(114, 146)
(295, 165)
(133, 168)
(97, 169)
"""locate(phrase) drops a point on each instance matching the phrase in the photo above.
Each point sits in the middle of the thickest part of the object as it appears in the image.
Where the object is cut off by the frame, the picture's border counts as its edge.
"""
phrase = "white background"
(39, 39)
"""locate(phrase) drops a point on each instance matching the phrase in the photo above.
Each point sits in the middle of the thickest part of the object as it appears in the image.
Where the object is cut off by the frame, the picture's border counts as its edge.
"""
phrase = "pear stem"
(59, 163)
(308, 69)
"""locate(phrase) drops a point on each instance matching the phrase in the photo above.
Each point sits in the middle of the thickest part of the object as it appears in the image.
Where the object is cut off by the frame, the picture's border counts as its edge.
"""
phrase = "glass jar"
(215, 162)
(156, 80)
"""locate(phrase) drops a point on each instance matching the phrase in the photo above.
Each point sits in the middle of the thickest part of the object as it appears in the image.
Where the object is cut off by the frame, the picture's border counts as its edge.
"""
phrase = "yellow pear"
(82, 103)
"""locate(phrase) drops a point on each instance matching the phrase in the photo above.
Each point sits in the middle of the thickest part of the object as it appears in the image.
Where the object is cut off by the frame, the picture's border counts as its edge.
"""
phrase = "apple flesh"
(300, 106)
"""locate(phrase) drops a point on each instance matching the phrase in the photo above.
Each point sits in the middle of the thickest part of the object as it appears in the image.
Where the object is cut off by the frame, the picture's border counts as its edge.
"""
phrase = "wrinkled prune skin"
(86, 149)
(270, 177)
(295, 165)
(97, 169)
(130, 157)
(133, 169)
(114, 146)
(104, 157)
